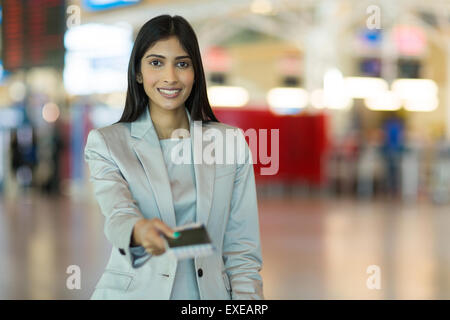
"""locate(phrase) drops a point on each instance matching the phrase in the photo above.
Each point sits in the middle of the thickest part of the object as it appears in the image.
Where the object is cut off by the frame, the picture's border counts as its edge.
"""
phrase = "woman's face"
(167, 74)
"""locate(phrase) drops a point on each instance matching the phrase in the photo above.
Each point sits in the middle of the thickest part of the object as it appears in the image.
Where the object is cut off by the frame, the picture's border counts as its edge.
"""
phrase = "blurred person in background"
(23, 155)
(56, 146)
(392, 148)
(369, 165)
(144, 195)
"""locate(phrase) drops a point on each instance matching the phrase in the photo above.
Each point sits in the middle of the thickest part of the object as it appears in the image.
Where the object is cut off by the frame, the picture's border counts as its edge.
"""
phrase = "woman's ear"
(139, 78)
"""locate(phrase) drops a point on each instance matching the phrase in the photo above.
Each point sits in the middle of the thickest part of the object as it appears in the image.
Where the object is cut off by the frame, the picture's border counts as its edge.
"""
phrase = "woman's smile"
(169, 93)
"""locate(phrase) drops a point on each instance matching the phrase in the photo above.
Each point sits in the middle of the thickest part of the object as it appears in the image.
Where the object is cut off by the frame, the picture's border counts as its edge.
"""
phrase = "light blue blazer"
(130, 182)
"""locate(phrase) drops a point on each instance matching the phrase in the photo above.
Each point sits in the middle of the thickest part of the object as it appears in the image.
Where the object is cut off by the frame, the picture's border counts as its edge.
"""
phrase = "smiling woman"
(145, 194)
(167, 76)
(166, 56)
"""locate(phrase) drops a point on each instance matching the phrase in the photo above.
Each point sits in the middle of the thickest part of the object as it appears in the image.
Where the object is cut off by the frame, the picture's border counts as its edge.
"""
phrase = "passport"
(193, 241)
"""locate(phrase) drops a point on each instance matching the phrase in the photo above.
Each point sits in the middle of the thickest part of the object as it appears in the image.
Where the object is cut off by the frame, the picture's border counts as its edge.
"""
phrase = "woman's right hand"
(148, 233)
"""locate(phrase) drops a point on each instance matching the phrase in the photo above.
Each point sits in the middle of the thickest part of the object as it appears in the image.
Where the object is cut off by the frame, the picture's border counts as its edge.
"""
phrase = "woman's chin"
(171, 106)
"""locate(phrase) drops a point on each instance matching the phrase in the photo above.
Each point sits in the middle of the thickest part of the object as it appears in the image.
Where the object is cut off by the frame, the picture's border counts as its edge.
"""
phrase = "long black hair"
(162, 27)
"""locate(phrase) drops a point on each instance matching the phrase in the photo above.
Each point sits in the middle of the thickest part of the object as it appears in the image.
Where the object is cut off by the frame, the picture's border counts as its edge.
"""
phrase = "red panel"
(302, 142)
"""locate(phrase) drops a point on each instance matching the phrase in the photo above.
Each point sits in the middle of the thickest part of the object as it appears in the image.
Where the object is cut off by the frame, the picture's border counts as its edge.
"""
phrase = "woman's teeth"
(169, 93)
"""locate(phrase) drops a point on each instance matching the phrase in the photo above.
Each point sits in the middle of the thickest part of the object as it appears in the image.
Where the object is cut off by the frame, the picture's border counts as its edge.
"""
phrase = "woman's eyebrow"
(162, 57)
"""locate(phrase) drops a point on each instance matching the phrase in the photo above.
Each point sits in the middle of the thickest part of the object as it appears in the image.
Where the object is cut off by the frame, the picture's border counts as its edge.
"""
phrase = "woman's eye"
(183, 64)
(155, 63)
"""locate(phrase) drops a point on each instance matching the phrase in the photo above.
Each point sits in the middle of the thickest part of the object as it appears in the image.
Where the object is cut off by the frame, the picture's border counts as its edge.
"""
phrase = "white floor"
(313, 248)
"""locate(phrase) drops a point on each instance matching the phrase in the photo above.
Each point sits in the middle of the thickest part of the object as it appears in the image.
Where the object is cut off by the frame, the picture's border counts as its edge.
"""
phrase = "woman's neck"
(166, 121)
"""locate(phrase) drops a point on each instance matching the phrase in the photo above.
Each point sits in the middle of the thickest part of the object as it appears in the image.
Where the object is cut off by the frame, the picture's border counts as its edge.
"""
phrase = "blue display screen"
(98, 5)
(373, 36)
(370, 67)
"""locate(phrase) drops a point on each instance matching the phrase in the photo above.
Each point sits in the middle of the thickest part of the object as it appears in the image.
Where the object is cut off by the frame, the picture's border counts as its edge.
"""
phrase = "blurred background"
(359, 91)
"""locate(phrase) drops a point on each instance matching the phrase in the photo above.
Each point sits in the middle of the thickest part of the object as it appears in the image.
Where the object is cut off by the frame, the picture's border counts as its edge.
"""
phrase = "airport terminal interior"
(350, 97)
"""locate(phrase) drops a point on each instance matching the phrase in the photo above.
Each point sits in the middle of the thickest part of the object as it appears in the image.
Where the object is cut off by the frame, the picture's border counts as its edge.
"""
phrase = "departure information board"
(33, 33)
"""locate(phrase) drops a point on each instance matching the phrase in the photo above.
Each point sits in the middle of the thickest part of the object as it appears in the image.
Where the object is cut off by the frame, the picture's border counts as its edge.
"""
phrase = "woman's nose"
(170, 75)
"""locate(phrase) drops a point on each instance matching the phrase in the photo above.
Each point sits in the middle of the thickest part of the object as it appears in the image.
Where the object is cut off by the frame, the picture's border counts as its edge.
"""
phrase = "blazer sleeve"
(112, 194)
(242, 248)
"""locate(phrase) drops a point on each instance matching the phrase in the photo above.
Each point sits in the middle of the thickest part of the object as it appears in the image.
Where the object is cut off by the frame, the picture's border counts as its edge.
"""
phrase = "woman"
(144, 194)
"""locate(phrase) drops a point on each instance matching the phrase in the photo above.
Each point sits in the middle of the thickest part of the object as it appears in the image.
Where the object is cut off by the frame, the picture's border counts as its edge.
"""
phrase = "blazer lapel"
(204, 172)
(148, 150)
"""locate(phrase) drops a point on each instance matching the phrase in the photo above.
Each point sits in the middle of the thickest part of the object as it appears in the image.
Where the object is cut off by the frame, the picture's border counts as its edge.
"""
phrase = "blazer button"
(200, 272)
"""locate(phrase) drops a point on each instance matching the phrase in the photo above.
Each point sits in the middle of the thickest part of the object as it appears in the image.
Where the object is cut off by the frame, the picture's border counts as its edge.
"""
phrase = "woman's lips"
(169, 93)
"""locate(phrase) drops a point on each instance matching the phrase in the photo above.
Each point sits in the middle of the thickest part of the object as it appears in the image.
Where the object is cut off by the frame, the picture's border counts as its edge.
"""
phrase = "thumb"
(166, 230)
